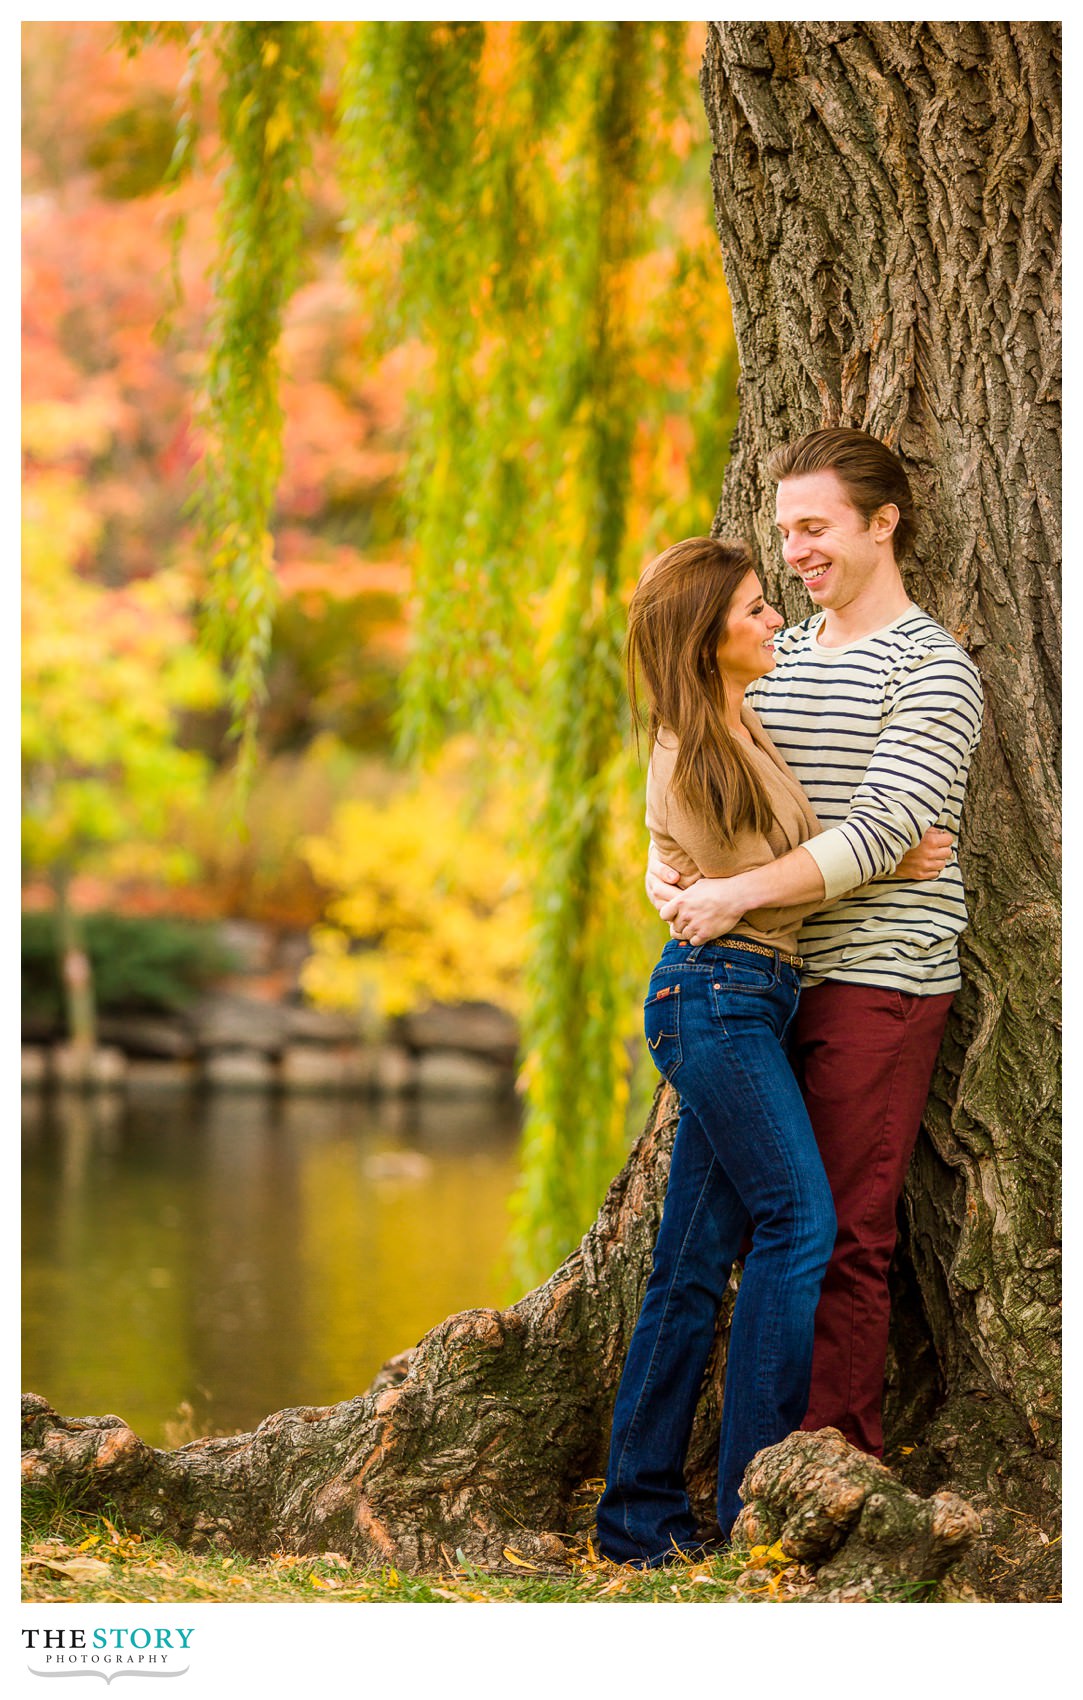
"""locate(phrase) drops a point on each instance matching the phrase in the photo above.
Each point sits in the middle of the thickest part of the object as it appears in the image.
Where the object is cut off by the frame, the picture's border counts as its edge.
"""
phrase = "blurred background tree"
(103, 770)
(469, 367)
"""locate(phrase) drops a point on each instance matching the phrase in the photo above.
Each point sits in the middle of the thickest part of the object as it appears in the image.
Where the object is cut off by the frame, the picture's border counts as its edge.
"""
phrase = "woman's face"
(745, 652)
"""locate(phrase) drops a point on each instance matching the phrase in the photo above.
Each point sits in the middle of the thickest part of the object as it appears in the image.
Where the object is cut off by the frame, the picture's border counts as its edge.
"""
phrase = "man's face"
(825, 540)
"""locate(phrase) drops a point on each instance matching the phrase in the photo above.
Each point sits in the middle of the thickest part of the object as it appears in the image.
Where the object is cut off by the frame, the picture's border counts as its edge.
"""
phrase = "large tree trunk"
(888, 209)
(886, 204)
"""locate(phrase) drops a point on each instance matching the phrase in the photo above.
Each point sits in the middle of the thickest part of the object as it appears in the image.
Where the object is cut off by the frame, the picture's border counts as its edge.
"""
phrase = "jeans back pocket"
(662, 1021)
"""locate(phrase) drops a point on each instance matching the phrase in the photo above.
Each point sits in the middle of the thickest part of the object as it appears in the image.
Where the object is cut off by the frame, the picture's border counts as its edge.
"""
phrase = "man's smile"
(813, 575)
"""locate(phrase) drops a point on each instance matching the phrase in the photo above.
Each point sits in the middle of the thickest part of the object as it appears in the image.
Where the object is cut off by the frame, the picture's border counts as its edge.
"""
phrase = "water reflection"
(240, 1253)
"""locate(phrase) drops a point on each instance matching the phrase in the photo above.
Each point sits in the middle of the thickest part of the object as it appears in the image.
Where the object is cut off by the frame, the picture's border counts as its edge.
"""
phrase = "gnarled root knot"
(845, 1515)
(77, 1447)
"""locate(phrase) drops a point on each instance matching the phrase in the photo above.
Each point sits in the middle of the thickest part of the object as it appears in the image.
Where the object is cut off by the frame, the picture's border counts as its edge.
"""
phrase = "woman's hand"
(704, 910)
(660, 878)
(927, 860)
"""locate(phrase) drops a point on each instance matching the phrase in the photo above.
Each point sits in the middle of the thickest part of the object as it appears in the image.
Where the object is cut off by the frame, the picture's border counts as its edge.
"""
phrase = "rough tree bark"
(886, 198)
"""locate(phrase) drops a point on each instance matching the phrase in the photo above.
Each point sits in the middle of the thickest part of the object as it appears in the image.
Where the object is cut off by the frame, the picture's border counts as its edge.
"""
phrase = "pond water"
(194, 1262)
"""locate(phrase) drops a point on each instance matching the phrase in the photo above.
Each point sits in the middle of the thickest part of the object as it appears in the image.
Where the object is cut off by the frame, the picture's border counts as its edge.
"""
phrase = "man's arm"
(710, 907)
(926, 861)
(920, 759)
(915, 777)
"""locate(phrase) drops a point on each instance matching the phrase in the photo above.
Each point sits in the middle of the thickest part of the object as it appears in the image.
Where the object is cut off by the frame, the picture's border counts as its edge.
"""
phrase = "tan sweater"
(692, 847)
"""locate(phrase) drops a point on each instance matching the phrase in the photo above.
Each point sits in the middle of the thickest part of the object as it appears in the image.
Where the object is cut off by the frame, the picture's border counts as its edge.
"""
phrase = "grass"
(77, 1559)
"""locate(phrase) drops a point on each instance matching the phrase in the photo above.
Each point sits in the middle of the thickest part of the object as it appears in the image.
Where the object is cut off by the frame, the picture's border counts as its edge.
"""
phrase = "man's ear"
(884, 521)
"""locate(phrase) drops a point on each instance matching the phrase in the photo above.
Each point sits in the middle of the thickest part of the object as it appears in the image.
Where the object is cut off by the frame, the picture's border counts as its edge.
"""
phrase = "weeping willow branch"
(578, 1091)
(269, 109)
(441, 125)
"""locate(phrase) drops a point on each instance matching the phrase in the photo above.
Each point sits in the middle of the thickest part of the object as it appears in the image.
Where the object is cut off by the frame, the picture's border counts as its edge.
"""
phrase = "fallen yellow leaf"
(513, 1558)
(76, 1570)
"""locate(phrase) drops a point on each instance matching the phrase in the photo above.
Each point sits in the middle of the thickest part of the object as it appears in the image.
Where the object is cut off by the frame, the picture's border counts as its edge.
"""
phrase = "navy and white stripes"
(880, 733)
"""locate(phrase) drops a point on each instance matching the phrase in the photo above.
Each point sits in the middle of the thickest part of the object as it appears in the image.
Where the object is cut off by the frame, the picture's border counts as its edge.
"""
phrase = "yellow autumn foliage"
(107, 673)
(426, 901)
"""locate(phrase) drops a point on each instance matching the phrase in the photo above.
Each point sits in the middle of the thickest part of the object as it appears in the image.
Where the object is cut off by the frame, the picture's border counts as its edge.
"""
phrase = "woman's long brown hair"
(676, 620)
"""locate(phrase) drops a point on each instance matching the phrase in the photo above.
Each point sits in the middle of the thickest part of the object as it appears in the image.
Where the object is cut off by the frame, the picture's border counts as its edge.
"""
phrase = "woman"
(720, 800)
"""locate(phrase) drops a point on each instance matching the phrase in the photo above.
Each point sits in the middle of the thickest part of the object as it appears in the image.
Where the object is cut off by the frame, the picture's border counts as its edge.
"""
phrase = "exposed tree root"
(841, 1512)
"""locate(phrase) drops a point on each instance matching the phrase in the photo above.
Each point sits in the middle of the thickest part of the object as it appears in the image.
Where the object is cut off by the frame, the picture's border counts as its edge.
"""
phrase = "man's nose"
(794, 549)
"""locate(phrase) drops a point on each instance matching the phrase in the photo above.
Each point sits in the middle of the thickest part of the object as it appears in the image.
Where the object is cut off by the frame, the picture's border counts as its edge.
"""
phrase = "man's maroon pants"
(865, 1057)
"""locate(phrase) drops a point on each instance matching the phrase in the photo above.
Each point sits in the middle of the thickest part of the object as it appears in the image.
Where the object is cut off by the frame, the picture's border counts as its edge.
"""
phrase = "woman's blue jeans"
(744, 1156)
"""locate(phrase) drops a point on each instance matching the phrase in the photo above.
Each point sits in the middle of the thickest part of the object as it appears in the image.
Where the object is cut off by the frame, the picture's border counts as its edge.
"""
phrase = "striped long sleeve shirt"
(880, 733)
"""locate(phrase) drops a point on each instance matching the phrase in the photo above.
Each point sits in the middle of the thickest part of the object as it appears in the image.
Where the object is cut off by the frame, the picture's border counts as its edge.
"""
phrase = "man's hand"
(704, 910)
(927, 860)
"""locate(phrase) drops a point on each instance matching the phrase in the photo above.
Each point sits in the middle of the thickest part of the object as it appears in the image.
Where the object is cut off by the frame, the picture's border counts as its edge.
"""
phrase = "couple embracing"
(804, 795)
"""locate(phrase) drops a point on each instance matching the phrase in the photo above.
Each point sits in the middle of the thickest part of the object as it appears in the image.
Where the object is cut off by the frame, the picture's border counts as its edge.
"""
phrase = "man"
(877, 710)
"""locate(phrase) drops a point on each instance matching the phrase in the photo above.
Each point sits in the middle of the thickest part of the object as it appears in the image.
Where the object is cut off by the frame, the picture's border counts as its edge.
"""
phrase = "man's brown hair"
(867, 469)
(676, 619)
